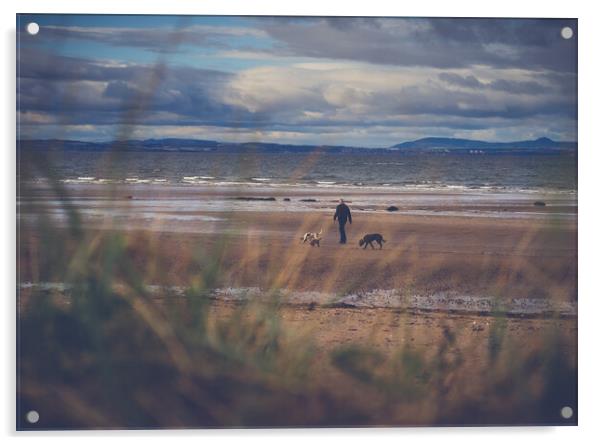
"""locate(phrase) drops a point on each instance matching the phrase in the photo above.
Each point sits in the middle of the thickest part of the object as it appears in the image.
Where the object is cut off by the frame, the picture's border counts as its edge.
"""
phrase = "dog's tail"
(320, 232)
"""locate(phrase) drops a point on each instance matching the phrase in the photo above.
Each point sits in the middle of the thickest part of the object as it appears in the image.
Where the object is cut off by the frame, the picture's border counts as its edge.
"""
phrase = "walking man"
(342, 214)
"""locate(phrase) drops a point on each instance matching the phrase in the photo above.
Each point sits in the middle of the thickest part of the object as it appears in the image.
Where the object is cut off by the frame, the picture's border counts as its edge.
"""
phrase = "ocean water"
(551, 173)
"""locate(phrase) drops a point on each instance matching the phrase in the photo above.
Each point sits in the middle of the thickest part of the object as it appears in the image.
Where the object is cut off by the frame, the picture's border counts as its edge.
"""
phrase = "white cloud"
(356, 90)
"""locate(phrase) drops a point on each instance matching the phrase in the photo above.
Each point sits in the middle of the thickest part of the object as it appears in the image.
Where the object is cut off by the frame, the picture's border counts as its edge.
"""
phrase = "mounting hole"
(566, 412)
(566, 32)
(33, 28)
(32, 417)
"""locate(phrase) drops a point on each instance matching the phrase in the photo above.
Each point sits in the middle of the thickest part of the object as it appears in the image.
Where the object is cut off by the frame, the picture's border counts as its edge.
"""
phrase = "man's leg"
(342, 232)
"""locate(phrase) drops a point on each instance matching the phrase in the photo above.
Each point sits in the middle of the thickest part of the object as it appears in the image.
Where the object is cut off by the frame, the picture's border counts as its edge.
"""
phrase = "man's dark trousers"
(342, 214)
(342, 232)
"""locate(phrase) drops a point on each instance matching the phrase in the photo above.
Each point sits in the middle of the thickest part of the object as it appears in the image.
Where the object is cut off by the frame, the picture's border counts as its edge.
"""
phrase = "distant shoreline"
(425, 145)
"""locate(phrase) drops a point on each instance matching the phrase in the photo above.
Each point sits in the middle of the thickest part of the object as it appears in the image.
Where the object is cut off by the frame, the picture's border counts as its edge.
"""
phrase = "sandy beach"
(469, 290)
(457, 243)
(457, 272)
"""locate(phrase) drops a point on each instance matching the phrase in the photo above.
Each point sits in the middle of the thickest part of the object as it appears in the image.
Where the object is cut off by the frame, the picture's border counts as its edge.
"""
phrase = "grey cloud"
(508, 86)
(462, 81)
(518, 87)
(522, 32)
(441, 43)
(83, 91)
(436, 42)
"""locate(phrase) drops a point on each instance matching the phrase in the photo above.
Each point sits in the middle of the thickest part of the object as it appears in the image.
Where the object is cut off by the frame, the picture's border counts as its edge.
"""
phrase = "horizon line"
(296, 144)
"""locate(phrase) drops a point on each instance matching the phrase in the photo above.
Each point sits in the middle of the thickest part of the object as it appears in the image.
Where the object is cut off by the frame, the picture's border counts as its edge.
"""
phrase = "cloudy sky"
(369, 82)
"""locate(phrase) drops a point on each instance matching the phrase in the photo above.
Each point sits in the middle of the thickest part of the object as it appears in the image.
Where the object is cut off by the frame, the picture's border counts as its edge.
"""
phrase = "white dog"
(313, 238)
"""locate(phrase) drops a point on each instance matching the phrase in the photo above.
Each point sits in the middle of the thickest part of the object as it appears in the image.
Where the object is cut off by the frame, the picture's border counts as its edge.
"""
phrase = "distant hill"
(452, 144)
(426, 145)
(181, 145)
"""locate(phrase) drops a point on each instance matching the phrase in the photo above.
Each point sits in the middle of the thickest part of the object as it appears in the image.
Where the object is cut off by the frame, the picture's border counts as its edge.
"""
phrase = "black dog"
(368, 239)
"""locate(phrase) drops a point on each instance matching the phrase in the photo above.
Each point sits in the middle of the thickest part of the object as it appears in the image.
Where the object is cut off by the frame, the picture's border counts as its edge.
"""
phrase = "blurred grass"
(105, 353)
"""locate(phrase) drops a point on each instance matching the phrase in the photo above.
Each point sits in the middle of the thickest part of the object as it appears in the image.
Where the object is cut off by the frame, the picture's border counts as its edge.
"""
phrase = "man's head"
(342, 201)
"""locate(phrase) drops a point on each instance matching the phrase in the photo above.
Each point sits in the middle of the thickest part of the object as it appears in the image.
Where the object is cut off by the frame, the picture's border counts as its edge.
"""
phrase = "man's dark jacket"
(342, 214)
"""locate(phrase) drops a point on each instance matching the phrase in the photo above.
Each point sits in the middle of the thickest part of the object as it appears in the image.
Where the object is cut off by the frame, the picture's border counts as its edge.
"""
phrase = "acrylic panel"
(252, 221)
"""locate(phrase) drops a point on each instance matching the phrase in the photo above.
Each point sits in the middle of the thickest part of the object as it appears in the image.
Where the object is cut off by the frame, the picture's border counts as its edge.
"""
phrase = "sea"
(391, 171)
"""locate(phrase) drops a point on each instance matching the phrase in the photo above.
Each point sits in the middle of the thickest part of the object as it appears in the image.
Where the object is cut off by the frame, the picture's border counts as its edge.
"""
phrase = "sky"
(369, 82)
